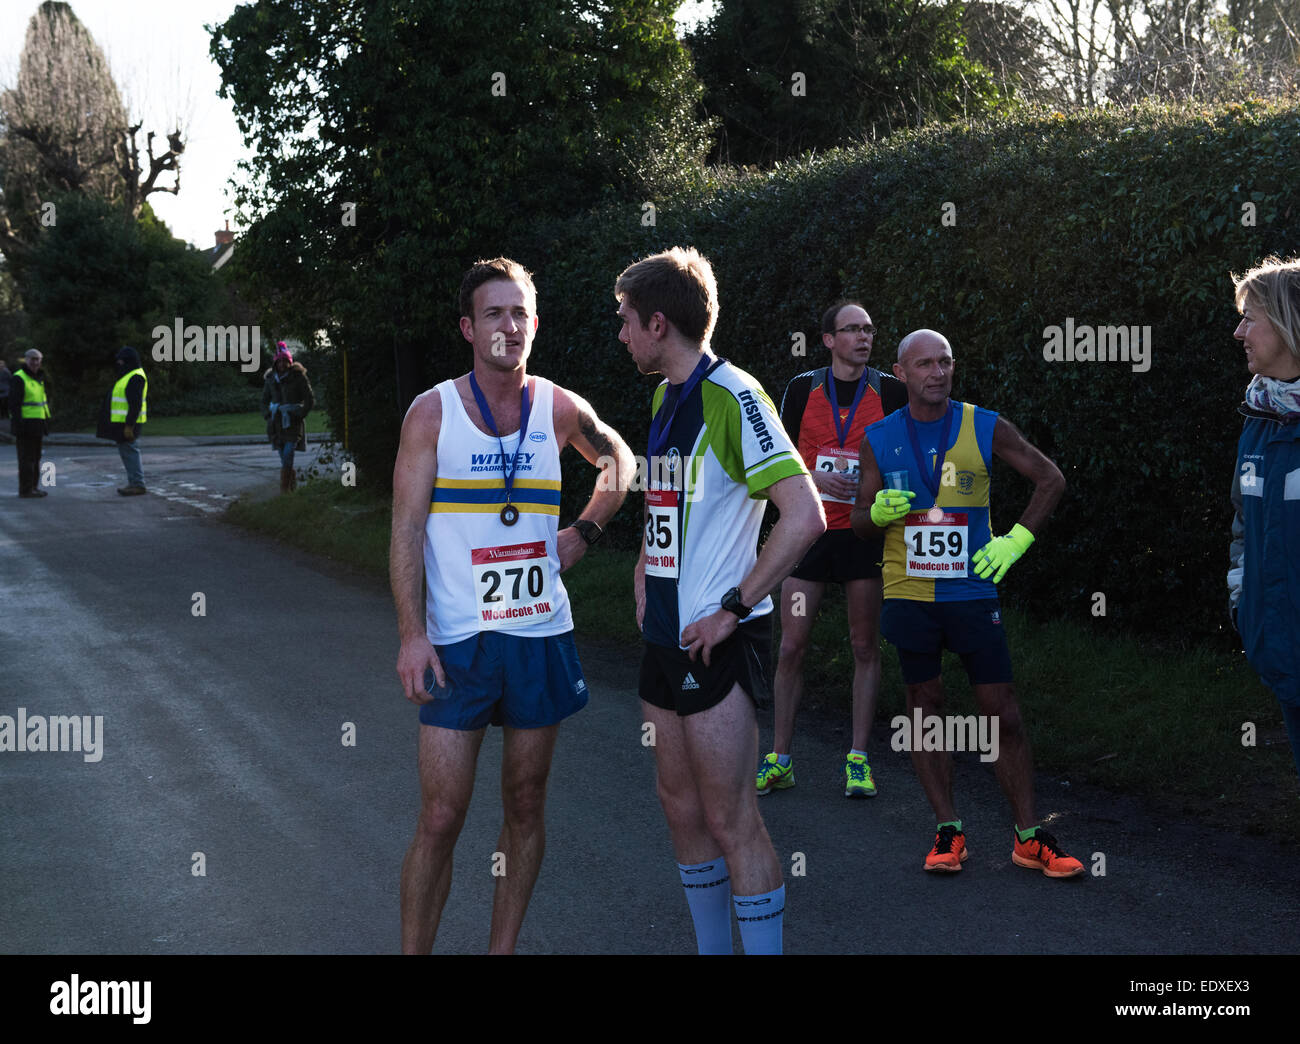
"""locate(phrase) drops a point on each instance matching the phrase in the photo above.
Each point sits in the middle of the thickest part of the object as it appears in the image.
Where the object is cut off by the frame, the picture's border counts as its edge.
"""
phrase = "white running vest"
(482, 574)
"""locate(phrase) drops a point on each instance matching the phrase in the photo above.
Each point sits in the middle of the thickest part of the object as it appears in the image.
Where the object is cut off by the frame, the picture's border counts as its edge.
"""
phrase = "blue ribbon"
(676, 394)
(931, 480)
(485, 410)
(842, 431)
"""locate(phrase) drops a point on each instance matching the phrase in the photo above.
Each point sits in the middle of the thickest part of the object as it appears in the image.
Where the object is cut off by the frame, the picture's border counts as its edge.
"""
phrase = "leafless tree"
(63, 128)
(1005, 38)
(1080, 34)
(1199, 50)
(1125, 50)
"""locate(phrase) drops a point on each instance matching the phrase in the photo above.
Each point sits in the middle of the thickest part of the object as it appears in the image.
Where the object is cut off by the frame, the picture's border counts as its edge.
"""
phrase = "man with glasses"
(825, 411)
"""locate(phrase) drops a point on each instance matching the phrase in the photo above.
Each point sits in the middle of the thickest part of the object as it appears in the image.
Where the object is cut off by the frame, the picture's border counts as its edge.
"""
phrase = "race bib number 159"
(935, 548)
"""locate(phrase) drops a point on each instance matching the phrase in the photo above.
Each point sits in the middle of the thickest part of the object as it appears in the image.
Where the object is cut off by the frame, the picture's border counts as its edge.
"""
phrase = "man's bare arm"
(802, 521)
(638, 574)
(870, 483)
(414, 474)
(600, 445)
(577, 425)
(1049, 484)
(638, 587)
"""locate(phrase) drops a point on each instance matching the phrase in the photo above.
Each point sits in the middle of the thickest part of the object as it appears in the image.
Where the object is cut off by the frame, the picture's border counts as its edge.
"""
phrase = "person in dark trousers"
(29, 420)
(123, 417)
(6, 378)
(286, 400)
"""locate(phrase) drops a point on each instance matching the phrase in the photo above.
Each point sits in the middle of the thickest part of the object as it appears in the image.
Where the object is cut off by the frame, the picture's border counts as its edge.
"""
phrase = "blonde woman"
(1264, 581)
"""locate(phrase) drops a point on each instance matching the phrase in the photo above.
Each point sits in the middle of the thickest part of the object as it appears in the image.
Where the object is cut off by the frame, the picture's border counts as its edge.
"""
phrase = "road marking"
(177, 498)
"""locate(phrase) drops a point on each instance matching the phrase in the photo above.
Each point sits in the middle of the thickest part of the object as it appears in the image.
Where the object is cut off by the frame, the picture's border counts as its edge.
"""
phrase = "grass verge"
(1162, 724)
(327, 518)
(221, 424)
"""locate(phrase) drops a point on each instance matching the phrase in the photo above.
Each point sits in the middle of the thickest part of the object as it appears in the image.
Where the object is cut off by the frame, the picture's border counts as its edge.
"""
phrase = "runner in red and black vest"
(825, 412)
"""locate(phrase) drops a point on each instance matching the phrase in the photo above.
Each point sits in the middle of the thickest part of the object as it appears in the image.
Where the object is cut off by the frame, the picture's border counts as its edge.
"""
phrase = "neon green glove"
(890, 505)
(1001, 553)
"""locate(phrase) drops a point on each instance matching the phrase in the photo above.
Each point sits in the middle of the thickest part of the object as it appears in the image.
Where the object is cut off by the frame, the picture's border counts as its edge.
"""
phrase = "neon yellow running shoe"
(771, 776)
(857, 777)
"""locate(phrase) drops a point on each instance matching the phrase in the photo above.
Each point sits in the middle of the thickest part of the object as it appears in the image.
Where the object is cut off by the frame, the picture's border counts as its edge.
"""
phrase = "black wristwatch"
(732, 603)
(589, 531)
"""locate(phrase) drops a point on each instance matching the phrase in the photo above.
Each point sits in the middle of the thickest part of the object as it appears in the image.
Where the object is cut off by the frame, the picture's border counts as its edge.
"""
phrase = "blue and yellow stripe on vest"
(964, 490)
(488, 496)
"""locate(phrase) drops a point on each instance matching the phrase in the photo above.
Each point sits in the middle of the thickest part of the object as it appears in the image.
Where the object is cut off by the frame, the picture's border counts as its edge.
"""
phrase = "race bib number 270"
(512, 584)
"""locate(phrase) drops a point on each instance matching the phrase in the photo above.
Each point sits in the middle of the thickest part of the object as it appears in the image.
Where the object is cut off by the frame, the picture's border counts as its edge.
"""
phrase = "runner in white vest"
(476, 505)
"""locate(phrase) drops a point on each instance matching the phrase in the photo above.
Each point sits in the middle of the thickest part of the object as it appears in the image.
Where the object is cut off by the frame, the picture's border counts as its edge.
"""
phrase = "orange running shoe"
(1041, 852)
(948, 852)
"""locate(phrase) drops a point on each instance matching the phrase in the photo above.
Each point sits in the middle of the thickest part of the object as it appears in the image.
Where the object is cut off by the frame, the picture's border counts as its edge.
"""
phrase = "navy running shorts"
(922, 630)
(498, 678)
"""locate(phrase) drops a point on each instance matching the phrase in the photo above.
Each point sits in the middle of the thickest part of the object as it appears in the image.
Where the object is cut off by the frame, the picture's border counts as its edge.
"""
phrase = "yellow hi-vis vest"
(35, 406)
(118, 407)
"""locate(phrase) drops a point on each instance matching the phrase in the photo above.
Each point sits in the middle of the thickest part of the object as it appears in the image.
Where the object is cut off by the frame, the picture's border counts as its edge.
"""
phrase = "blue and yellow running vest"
(927, 555)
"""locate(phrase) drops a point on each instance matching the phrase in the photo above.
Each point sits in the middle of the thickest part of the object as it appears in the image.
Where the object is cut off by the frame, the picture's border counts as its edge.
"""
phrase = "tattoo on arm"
(598, 439)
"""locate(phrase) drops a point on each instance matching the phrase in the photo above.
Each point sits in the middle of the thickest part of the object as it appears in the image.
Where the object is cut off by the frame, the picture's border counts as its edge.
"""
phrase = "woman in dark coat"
(286, 400)
(1264, 581)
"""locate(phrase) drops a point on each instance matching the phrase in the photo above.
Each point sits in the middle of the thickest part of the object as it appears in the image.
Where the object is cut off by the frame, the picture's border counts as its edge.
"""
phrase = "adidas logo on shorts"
(689, 682)
(580, 686)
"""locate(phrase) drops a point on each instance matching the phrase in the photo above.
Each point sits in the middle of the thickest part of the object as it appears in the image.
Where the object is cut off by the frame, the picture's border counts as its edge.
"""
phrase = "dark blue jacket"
(126, 360)
(1264, 580)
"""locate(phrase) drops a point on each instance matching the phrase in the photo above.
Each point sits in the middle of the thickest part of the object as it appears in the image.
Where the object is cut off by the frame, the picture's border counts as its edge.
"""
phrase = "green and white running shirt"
(705, 498)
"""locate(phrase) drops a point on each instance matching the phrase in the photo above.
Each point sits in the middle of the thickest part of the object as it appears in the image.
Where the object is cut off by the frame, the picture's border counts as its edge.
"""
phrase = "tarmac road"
(222, 734)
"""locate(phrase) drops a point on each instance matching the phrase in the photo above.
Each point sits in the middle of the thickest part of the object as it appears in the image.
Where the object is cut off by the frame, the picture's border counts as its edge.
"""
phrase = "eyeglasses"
(866, 328)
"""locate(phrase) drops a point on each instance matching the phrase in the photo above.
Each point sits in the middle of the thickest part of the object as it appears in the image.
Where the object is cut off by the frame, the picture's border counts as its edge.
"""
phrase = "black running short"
(672, 680)
(838, 556)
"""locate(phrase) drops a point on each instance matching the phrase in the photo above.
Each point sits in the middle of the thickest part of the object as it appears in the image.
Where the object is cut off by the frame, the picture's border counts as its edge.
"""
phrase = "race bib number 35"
(512, 584)
(935, 549)
(835, 460)
(661, 542)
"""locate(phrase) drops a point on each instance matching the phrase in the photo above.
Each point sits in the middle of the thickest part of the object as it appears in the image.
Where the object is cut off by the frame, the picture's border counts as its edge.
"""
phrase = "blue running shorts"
(505, 679)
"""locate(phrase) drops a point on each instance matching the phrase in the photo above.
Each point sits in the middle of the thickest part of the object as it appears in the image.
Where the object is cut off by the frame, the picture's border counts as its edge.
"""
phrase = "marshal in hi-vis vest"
(118, 407)
(35, 405)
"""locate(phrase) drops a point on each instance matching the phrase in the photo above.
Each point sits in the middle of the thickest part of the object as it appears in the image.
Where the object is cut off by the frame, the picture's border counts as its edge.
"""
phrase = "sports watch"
(588, 530)
(732, 603)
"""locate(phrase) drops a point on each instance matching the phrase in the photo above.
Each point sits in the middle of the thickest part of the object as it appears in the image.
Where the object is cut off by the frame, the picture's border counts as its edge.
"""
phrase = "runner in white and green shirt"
(717, 451)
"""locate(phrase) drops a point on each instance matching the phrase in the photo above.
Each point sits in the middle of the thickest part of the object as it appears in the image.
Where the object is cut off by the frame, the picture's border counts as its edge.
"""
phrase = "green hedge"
(1121, 218)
